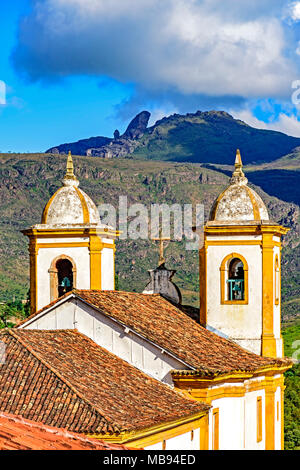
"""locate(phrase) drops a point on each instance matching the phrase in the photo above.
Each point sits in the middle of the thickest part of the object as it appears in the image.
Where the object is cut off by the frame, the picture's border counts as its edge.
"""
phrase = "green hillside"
(211, 137)
(28, 181)
(201, 137)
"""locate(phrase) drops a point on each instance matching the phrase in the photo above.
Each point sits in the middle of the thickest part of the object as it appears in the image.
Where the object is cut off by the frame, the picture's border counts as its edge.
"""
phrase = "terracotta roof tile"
(17, 433)
(161, 322)
(63, 379)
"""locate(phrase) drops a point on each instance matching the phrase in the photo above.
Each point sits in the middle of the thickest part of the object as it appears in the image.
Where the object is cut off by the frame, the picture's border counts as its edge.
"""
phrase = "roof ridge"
(60, 376)
(136, 331)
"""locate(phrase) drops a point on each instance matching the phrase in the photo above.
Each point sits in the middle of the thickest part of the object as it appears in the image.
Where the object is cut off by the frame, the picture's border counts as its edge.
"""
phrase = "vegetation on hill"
(291, 336)
(202, 137)
(28, 181)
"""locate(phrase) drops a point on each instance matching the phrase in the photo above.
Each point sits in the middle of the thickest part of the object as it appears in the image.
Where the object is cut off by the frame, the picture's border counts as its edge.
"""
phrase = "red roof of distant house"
(17, 433)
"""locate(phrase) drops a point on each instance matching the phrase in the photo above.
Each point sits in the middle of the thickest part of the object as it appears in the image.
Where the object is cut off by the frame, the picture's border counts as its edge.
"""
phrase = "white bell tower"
(240, 269)
(70, 248)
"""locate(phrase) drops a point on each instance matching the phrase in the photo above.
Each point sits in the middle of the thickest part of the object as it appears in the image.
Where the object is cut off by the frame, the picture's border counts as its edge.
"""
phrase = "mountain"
(202, 137)
(27, 182)
(105, 147)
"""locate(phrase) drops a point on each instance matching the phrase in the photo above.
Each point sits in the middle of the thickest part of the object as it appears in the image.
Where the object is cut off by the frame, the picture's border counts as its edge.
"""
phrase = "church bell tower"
(70, 248)
(240, 269)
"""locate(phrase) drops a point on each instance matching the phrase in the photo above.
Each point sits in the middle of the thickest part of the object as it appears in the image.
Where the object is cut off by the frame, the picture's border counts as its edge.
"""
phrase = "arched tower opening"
(236, 280)
(62, 276)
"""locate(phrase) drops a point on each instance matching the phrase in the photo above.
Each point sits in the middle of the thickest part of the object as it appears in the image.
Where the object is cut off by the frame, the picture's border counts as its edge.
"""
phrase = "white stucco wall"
(240, 322)
(238, 421)
(181, 442)
(251, 421)
(45, 256)
(110, 335)
(107, 269)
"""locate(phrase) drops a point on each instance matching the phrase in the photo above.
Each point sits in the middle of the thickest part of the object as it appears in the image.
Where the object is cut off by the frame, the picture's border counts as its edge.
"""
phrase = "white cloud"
(289, 125)
(294, 11)
(187, 46)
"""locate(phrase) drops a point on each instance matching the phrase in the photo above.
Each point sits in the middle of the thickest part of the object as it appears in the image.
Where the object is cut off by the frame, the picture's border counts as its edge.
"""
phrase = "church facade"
(231, 362)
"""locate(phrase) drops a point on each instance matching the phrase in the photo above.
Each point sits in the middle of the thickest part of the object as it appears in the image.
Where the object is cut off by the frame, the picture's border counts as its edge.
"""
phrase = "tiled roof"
(159, 321)
(63, 379)
(17, 433)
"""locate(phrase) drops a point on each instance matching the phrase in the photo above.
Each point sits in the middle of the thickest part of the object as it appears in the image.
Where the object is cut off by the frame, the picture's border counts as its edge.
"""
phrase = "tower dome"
(238, 203)
(70, 205)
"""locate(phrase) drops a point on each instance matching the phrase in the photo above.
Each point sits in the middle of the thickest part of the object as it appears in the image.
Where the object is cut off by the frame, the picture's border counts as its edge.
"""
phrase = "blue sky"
(80, 68)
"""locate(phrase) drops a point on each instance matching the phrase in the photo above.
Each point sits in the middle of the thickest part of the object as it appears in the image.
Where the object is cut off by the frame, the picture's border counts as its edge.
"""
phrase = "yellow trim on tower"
(268, 339)
(255, 207)
(216, 205)
(277, 280)
(95, 247)
(33, 253)
(270, 413)
(203, 283)
(85, 209)
(47, 207)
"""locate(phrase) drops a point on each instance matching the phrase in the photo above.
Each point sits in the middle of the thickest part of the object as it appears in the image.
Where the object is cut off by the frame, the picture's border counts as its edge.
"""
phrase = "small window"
(236, 280)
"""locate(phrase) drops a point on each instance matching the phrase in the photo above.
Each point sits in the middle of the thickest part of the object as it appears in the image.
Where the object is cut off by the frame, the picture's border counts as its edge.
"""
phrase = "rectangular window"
(259, 418)
(216, 429)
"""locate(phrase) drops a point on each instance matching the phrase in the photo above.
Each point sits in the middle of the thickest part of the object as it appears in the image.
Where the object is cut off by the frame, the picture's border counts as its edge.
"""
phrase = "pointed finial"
(238, 160)
(69, 176)
(238, 176)
(70, 166)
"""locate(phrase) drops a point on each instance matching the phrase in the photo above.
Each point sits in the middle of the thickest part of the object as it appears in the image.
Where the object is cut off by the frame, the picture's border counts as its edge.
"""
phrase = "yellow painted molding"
(203, 284)
(277, 280)
(153, 435)
(85, 209)
(255, 229)
(33, 253)
(46, 210)
(268, 338)
(216, 428)
(95, 248)
(83, 232)
(229, 385)
(270, 414)
(259, 427)
(232, 242)
(204, 433)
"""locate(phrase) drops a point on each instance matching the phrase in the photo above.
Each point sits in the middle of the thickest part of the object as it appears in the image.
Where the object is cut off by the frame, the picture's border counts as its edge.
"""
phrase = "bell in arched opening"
(236, 276)
(64, 276)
